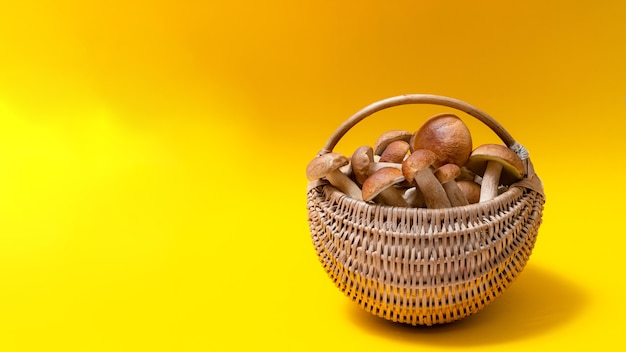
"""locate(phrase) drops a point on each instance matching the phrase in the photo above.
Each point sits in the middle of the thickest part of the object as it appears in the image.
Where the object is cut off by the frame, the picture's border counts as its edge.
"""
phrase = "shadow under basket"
(425, 266)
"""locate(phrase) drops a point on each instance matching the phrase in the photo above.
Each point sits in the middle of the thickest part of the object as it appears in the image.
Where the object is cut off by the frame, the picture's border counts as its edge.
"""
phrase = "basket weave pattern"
(421, 266)
(424, 266)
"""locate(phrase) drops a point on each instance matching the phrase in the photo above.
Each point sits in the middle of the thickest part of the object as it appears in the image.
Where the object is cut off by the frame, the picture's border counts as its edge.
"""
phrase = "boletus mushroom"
(446, 175)
(363, 164)
(380, 185)
(498, 165)
(395, 152)
(470, 189)
(414, 197)
(361, 160)
(447, 136)
(328, 166)
(417, 167)
(390, 136)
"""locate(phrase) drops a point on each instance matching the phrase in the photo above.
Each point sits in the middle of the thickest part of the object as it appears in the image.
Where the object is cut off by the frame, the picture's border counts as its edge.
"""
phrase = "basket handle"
(423, 99)
(482, 116)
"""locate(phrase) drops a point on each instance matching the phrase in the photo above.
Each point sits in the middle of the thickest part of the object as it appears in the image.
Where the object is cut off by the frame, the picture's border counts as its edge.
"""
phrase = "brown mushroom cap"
(390, 136)
(471, 190)
(380, 181)
(512, 165)
(447, 136)
(361, 161)
(447, 172)
(419, 160)
(395, 152)
(324, 164)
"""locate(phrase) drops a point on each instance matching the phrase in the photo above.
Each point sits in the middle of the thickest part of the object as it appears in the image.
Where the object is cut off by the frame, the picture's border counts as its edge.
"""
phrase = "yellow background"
(152, 157)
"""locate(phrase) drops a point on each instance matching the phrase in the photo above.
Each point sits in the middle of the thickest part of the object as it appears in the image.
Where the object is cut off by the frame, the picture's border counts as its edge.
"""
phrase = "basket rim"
(512, 192)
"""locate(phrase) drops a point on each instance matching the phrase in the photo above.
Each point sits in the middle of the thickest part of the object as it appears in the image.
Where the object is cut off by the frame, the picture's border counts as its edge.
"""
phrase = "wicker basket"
(425, 266)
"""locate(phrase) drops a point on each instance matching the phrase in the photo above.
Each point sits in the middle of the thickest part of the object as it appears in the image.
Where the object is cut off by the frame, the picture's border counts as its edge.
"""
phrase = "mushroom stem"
(344, 184)
(414, 198)
(498, 165)
(491, 178)
(455, 194)
(434, 195)
(392, 196)
(447, 175)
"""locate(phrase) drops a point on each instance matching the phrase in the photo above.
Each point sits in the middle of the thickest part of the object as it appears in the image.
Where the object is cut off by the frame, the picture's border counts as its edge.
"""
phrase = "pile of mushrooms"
(434, 167)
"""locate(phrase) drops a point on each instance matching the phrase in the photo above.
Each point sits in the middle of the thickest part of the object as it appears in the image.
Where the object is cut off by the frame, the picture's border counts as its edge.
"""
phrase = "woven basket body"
(425, 266)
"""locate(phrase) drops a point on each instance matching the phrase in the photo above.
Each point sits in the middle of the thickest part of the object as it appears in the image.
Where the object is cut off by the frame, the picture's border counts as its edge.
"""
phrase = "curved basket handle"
(424, 99)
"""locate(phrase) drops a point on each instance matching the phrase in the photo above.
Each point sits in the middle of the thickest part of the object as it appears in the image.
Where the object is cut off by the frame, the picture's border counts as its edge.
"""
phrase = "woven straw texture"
(425, 266)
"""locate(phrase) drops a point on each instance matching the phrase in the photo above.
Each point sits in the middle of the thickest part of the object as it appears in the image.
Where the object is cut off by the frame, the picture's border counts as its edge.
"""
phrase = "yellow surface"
(152, 157)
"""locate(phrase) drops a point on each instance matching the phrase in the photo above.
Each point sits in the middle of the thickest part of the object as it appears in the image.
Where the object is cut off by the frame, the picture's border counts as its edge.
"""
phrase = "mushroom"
(417, 167)
(446, 175)
(363, 164)
(414, 197)
(328, 166)
(377, 165)
(361, 160)
(390, 136)
(447, 136)
(395, 152)
(380, 185)
(470, 189)
(498, 165)
(467, 174)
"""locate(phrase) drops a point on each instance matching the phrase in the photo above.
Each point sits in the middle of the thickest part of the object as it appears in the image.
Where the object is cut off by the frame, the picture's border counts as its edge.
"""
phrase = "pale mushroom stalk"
(414, 198)
(490, 181)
